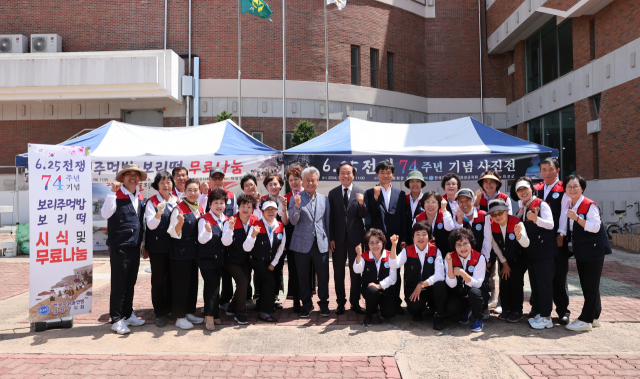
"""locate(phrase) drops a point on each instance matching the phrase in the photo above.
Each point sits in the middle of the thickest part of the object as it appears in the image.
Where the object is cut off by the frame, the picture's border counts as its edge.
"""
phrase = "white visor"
(522, 183)
(268, 204)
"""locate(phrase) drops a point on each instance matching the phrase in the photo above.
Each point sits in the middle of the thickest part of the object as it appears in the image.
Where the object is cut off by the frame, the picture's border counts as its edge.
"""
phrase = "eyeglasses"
(462, 245)
(496, 214)
(217, 178)
(572, 188)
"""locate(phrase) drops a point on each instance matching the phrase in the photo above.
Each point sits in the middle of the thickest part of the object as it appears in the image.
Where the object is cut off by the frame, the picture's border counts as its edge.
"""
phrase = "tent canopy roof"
(118, 139)
(454, 137)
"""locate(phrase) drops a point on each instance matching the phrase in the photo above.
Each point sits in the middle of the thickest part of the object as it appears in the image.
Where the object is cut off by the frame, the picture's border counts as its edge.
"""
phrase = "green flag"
(256, 7)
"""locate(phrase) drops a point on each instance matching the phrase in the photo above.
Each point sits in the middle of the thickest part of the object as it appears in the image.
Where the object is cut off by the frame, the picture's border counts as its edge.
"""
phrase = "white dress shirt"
(523, 241)
(592, 223)
(250, 242)
(203, 235)
(447, 220)
(109, 206)
(478, 273)
(486, 242)
(414, 203)
(386, 195)
(227, 233)
(438, 273)
(385, 283)
(204, 201)
(150, 211)
(174, 221)
(454, 206)
(181, 195)
(545, 217)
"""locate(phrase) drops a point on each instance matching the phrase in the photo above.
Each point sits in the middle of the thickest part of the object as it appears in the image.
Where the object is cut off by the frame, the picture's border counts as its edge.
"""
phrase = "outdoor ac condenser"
(46, 43)
(14, 44)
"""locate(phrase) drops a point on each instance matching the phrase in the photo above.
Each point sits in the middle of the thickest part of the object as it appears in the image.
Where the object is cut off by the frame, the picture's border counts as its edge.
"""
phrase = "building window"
(596, 106)
(288, 137)
(258, 135)
(592, 38)
(390, 71)
(355, 65)
(374, 68)
(549, 54)
(557, 130)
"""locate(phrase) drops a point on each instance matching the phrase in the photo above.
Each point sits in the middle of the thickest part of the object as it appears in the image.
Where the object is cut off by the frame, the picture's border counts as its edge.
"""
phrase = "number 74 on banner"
(57, 182)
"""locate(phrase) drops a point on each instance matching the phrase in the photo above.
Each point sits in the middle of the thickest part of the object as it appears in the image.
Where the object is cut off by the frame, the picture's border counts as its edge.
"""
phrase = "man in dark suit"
(310, 213)
(386, 206)
(347, 232)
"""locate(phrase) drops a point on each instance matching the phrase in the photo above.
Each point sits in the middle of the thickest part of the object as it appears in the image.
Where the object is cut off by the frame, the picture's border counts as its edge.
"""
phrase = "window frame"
(390, 69)
(374, 56)
(355, 80)
(261, 139)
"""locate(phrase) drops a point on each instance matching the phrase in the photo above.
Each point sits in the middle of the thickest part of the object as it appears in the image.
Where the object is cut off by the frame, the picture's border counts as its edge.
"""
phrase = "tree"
(224, 116)
(303, 132)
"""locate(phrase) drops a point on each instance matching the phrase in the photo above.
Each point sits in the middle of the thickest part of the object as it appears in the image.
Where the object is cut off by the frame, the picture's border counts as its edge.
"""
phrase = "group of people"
(463, 253)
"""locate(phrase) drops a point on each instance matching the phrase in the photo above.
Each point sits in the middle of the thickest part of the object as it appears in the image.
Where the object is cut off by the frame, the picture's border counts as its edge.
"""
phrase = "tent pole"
(326, 65)
(480, 60)
(284, 79)
(188, 116)
(17, 196)
(239, 65)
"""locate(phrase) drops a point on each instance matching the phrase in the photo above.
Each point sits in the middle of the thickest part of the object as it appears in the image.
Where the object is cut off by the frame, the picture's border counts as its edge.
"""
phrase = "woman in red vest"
(183, 228)
(586, 237)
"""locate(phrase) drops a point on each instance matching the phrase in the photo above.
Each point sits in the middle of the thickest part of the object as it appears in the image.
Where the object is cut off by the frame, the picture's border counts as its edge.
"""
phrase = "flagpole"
(326, 65)
(284, 79)
(239, 65)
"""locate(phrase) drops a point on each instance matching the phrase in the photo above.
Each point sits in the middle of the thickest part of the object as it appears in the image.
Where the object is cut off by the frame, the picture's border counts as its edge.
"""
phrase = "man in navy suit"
(386, 207)
(309, 213)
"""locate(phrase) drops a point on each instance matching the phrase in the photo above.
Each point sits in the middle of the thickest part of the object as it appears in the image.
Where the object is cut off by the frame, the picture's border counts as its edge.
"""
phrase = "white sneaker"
(120, 327)
(195, 320)
(134, 321)
(542, 323)
(498, 309)
(183, 323)
(535, 319)
(596, 323)
(579, 326)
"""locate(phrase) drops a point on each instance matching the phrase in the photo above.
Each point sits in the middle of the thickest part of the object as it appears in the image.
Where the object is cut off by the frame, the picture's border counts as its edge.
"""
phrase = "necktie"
(345, 198)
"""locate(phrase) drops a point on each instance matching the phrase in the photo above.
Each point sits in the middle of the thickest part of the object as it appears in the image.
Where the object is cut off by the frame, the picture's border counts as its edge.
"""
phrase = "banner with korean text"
(104, 170)
(61, 237)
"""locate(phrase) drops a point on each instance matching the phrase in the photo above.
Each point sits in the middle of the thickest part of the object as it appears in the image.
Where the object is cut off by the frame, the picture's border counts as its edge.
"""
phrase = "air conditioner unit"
(46, 43)
(14, 43)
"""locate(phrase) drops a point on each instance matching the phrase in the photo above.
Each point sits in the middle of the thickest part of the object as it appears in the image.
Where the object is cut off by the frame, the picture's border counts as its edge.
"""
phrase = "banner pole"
(284, 79)
(239, 66)
(326, 65)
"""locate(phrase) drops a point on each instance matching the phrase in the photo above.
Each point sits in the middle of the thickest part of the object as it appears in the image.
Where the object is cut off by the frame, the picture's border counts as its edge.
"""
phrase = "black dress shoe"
(340, 310)
(564, 320)
(438, 322)
(358, 310)
(296, 307)
(304, 313)
(324, 311)
(367, 321)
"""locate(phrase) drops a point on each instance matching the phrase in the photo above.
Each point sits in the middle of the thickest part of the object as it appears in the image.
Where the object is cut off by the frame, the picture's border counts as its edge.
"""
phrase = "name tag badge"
(440, 226)
(581, 216)
(386, 264)
(430, 260)
(478, 226)
(555, 195)
(512, 236)
(471, 268)
(279, 235)
(228, 201)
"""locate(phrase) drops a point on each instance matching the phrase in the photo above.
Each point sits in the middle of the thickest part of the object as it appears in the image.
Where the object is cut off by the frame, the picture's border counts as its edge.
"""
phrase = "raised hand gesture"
(256, 231)
(115, 186)
(394, 240)
(360, 198)
(518, 230)
(232, 222)
(207, 226)
(532, 215)
(376, 191)
(297, 199)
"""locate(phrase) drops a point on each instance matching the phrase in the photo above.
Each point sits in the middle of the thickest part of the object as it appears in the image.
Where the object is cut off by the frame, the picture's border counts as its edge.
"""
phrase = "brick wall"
(49, 132)
(563, 5)
(499, 11)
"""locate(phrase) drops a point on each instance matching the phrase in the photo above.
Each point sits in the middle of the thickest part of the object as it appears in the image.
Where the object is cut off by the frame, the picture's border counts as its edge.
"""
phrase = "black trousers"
(560, 287)
(375, 298)
(125, 263)
(265, 280)
(226, 293)
(278, 273)
(210, 291)
(240, 275)
(512, 289)
(590, 273)
(184, 278)
(476, 299)
(340, 255)
(541, 272)
(161, 288)
(303, 265)
(435, 295)
(294, 284)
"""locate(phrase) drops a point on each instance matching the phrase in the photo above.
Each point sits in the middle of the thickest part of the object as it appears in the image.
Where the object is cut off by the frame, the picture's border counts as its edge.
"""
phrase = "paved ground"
(502, 350)
(579, 366)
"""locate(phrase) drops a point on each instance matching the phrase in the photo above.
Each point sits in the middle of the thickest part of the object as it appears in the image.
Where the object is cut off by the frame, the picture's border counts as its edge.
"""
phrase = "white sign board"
(61, 235)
